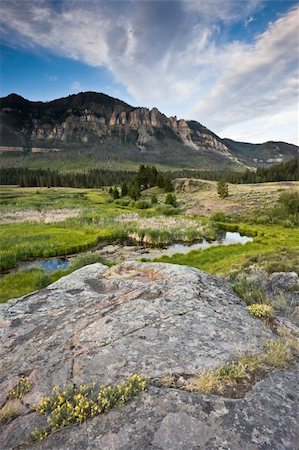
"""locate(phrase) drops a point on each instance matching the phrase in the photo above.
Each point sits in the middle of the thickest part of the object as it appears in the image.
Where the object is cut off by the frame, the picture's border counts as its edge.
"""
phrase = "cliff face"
(103, 324)
(91, 120)
(85, 116)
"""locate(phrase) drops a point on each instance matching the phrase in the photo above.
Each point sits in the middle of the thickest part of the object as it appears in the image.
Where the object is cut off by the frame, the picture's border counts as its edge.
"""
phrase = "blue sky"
(230, 64)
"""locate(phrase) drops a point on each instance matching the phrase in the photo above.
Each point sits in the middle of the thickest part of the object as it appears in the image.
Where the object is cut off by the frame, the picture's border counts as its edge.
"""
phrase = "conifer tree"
(222, 188)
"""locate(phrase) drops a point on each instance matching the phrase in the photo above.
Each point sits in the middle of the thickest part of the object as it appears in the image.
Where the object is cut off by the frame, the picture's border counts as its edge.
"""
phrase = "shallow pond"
(48, 265)
(228, 238)
(121, 252)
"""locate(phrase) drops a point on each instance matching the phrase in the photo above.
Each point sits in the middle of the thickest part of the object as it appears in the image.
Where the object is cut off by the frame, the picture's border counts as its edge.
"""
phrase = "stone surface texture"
(103, 324)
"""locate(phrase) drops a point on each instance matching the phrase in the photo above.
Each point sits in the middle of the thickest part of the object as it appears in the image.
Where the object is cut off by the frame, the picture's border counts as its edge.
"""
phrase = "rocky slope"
(104, 324)
(103, 127)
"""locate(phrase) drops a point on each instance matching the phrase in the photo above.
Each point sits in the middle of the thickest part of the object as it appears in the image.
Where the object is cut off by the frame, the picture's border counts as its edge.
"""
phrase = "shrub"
(248, 292)
(88, 258)
(262, 219)
(122, 202)
(167, 210)
(290, 202)
(260, 310)
(171, 200)
(154, 199)
(142, 204)
(219, 216)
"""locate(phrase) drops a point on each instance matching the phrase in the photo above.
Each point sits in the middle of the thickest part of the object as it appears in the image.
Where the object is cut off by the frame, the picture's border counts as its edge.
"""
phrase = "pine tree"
(124, 189)
(222, 188)
(115, 193)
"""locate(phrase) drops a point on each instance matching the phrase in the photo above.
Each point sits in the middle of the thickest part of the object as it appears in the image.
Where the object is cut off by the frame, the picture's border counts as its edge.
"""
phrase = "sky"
(232, 65)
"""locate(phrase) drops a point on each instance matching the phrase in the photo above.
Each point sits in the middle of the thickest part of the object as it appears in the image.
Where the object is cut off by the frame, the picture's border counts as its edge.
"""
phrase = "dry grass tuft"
(168, 380)
(206, 382)
(8, 412)
(236, 377)
(278, 354)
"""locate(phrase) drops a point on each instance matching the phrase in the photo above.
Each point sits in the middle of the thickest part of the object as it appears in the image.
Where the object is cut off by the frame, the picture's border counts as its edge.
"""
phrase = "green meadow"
(277, 247)
(42, 223)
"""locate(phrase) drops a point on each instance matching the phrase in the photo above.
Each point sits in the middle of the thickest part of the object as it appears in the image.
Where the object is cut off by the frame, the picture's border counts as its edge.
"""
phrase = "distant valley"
(94, 130)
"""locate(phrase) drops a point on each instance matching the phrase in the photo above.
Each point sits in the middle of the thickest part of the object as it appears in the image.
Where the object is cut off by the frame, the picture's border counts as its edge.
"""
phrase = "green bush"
(88, 258)
(248, 292)
(154, 199)
(142, 204)
(219, 216)
(122, 201)
(171, 200)
(167, 210)
(290, 202)
(262, 219)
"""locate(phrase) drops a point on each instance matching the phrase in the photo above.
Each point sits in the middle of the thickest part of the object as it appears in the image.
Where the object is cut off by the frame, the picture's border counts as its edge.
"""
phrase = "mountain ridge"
(103, 127)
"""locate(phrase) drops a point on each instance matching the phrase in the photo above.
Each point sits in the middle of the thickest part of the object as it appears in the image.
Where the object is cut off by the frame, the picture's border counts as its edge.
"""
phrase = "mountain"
(102, 128)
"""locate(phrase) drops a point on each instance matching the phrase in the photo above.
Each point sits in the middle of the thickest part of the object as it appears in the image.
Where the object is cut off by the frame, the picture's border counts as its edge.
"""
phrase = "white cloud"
(260, 80)
(267, 128)
(171, 54)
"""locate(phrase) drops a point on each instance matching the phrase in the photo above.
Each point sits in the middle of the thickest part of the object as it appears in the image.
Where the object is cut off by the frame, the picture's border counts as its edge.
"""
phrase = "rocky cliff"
(102, 324)
(111, 128)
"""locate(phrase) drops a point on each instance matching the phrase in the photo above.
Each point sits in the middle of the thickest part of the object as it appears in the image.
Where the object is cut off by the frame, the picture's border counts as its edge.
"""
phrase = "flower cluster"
(260, 310)
(22, 388)
(76, 405)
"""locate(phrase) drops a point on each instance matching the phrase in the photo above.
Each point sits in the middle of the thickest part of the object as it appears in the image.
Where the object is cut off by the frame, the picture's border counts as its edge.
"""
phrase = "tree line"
(285, 171)
(52, 178)
(146, 176)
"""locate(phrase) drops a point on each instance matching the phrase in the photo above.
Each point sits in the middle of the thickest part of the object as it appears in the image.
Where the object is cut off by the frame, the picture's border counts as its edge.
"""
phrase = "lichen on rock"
(103, 324)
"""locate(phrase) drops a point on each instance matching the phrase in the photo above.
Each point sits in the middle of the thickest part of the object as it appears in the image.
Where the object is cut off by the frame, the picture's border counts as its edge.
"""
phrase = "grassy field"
(243, 198)
(71, 163)
(97, 219)
(42, 222)
(270, 242)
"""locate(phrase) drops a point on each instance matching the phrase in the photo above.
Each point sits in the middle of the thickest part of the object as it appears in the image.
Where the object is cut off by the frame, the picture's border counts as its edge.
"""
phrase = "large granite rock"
(103, 324)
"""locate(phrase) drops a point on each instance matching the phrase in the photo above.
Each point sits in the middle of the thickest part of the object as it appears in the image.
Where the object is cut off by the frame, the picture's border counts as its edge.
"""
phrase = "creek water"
(133, 251)
(228, 238)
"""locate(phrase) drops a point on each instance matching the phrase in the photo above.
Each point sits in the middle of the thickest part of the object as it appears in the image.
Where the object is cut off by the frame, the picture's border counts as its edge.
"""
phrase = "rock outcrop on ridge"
(102, 128)
(104, 324)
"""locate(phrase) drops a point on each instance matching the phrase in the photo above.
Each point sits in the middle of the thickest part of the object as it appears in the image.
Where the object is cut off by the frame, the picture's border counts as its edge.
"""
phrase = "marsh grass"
(25, 281)
(18, 284)
(88, 258)
(226, 259)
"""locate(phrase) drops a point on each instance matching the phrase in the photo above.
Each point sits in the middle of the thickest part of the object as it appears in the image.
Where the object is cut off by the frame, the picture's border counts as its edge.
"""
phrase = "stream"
(130, 251)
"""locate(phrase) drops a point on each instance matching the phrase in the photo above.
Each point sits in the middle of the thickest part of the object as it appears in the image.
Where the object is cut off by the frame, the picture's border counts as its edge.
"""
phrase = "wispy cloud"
(52, 77)
(76, 86)
(172, 54)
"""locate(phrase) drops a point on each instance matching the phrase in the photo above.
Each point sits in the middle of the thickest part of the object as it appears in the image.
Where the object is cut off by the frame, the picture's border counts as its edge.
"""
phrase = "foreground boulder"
(102, 324)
